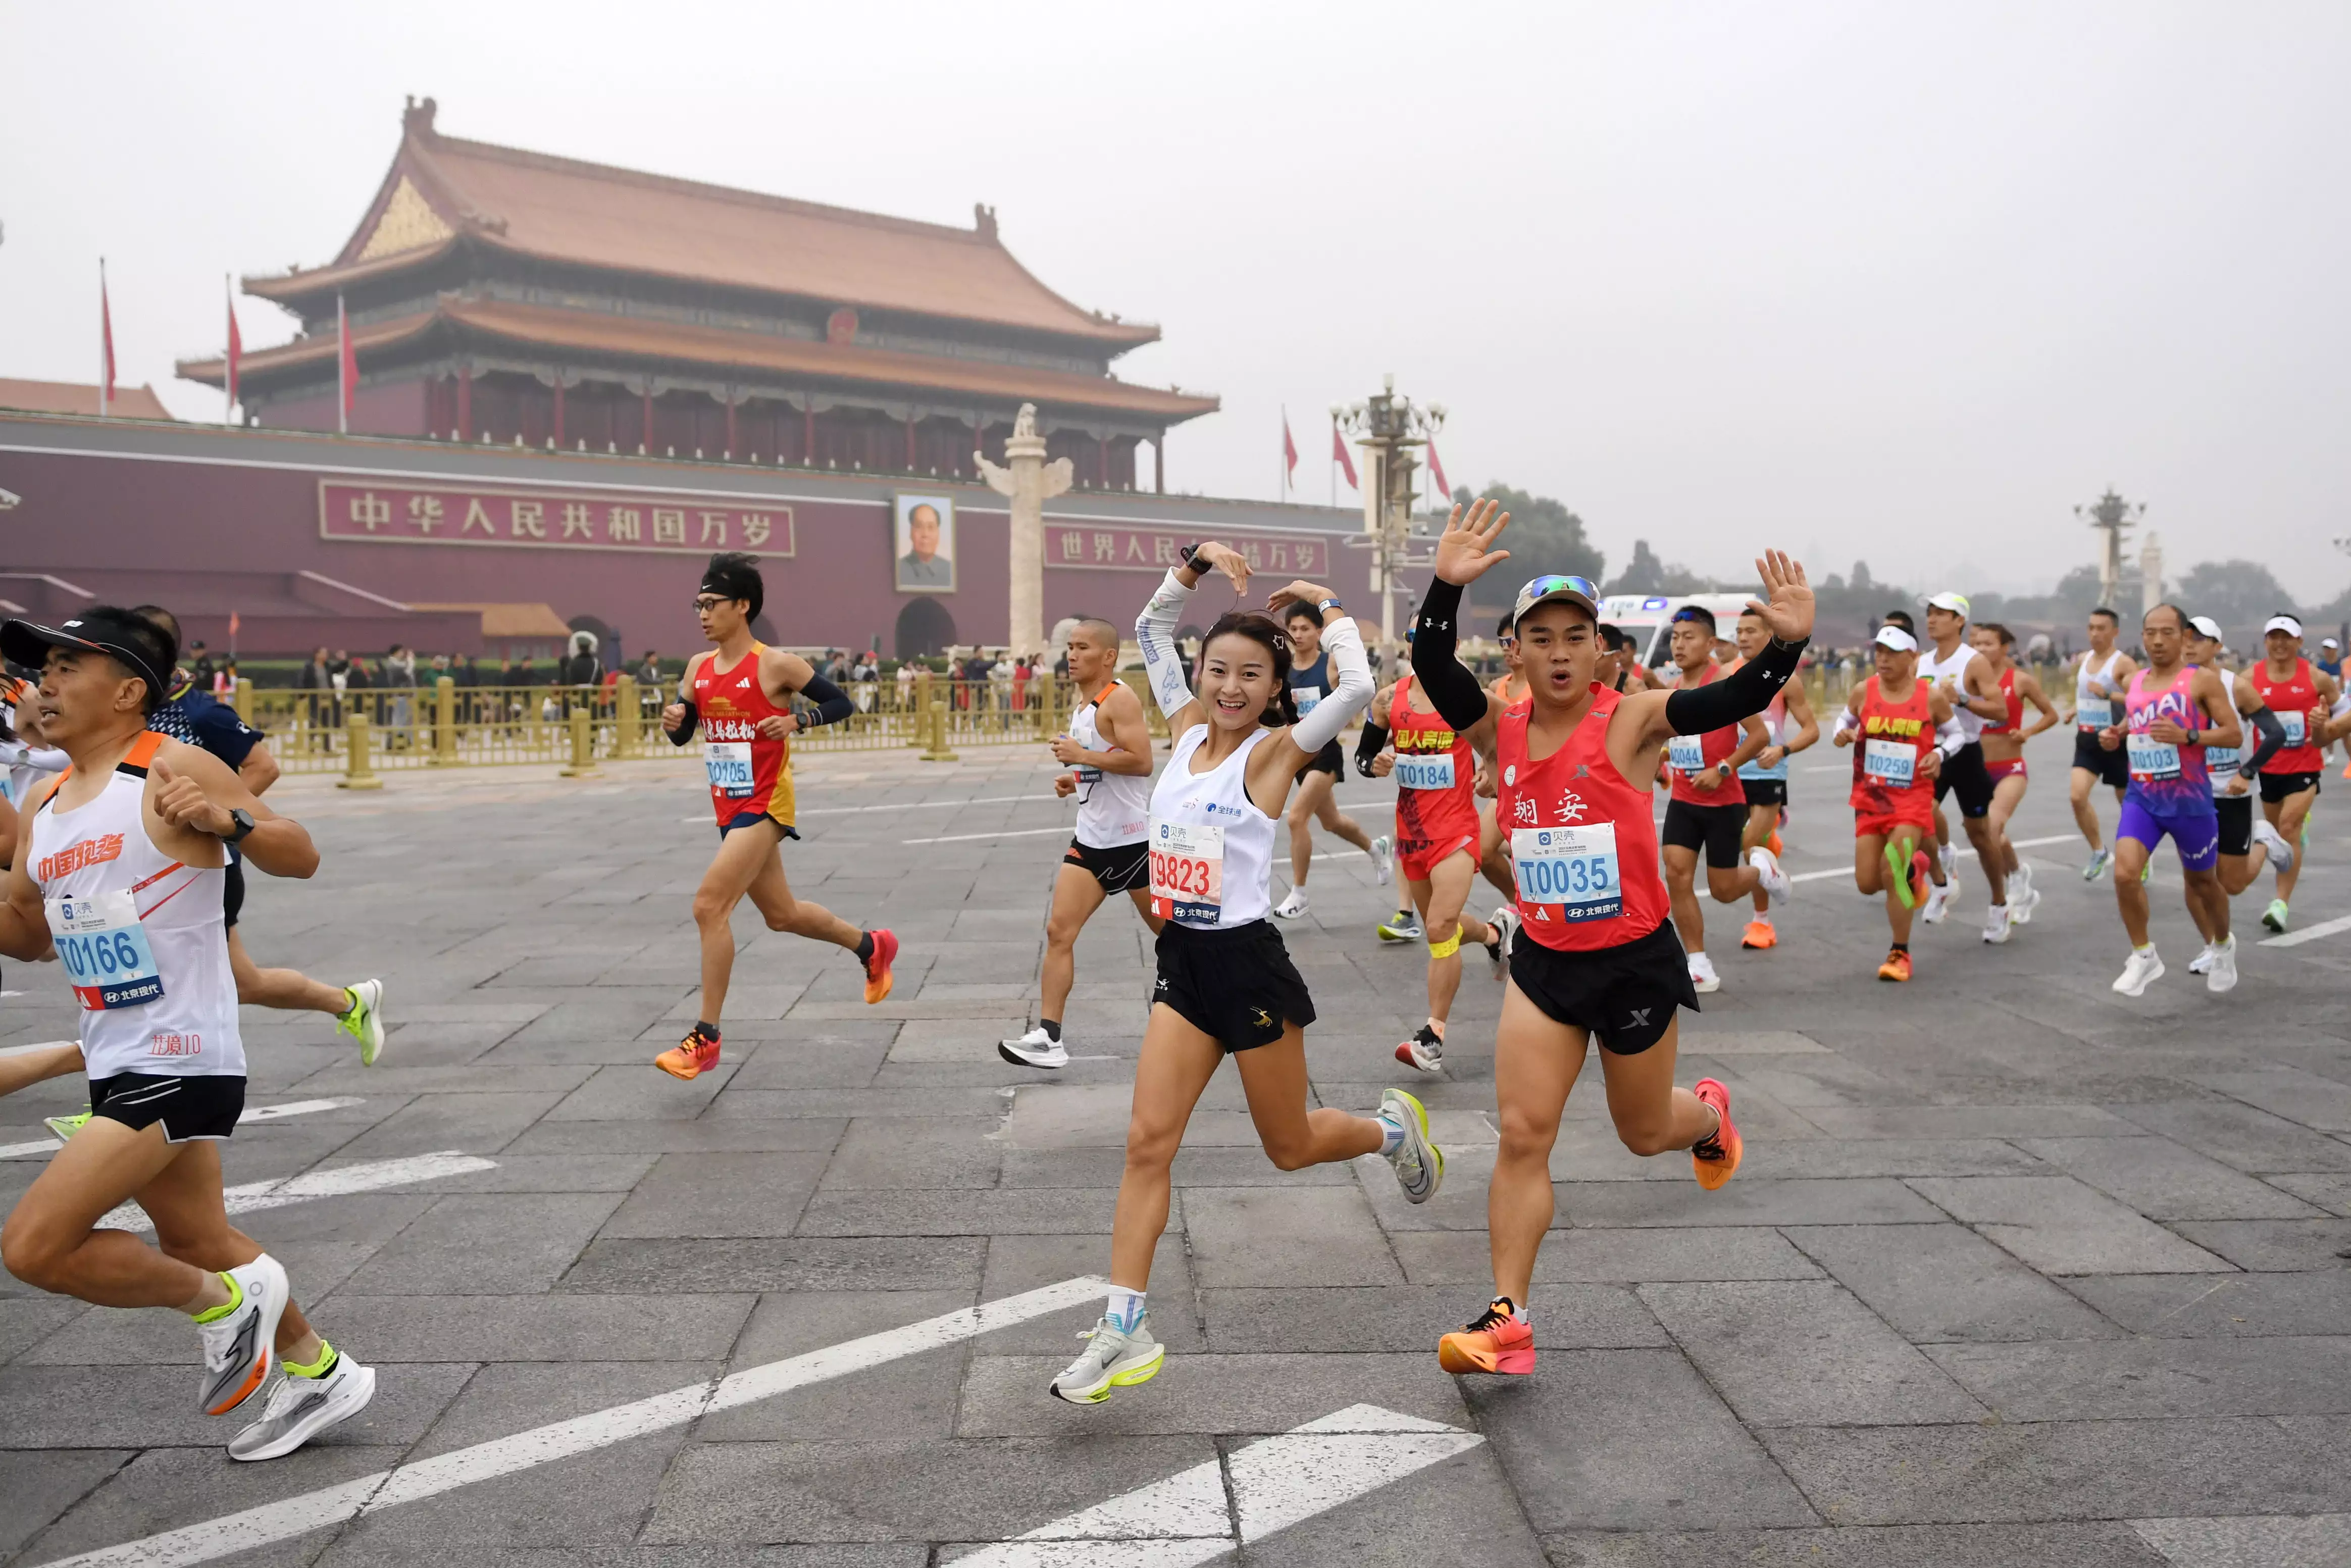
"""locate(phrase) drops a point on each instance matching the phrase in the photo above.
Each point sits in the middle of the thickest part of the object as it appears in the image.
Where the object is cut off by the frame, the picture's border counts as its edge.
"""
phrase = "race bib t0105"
(1893, 763)
(728, 763)
(1687, 753)
(104, 950)
(2152, 758)
(1188, 872)
(1424, 772)
(1574, 868)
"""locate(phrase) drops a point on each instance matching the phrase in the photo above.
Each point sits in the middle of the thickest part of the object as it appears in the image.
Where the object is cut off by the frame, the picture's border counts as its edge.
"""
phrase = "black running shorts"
(1624, 996)
(1234, 986)
(1764, 791)
(1121, 868)
(2278, 787)
(2111, 766)
(1717, 828)
(1964, 775)
(1329, 759)
(190, 1107)
(232, 889)
(2236, 824)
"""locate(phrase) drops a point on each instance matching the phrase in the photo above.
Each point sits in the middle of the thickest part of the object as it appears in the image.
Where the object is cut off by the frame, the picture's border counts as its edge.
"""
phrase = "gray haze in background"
(1903, 281)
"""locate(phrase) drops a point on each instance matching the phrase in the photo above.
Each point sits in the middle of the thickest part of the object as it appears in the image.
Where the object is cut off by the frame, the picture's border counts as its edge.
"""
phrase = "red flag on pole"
(347, 368)
(105, 344)
(235, 353)
(1289, 454)
(234, 622)
(1340, 455)
(1436, 471)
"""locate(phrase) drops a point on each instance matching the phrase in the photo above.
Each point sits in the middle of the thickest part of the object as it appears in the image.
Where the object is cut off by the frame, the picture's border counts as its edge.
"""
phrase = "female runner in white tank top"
(1226, 985)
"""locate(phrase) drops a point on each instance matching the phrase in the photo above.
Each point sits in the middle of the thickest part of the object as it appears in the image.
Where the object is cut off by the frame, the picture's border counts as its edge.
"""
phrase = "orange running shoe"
(1499, 1341)
(1715, 1158)
(1773, 843)
(1760, 934)
(877, 967)
(691, 1057)
(1896, 968)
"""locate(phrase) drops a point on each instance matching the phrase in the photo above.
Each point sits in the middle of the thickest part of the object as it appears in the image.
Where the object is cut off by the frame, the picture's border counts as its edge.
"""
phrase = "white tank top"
(1114, 809)
(140, 936)
(2092, 711)
(2221, 761)
(1211, 848)
(1933, 669)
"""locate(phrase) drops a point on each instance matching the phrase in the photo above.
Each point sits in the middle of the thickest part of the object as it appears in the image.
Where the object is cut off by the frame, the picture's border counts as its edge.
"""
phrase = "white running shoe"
(241, 1349)
(1950, 859)
(1113, 1358)
(1505, 922)
(1035, 1048)
(2143, 970)
(1384, 859)
(1996, 924)
(363, 1019)
(1767, 870)
(2203, 963)
(2273, 844)
(1294, 907)
(2098, 862)
(2223, 976)
(1702, 976)
(1418, 1164)
(302, 1407)
(1938, 904)
(1425, 1049)
(2022, 906)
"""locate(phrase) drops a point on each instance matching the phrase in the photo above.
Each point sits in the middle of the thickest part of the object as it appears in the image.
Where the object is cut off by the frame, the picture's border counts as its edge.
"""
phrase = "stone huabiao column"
(1029, 482)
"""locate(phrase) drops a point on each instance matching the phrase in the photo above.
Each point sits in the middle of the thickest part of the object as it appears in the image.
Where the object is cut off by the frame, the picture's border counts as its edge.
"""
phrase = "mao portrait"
(923, 544)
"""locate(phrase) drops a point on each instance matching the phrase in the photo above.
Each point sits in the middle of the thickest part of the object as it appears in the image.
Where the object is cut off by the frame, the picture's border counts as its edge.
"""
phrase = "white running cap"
(1957, 604)
(2285, 623)
(1899, 640)
(2206, 627)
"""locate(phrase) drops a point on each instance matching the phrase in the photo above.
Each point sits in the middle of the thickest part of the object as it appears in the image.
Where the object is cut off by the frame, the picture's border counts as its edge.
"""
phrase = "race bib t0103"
(104, 950)
(1188, 872)
(1893, 763)
(1687, 753)
(1574, 868)
(728, 763)
(2152, 758)
(1424, 772)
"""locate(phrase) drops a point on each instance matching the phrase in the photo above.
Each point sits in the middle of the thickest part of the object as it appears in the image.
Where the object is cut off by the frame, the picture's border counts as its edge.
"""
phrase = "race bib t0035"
(2152, 758)
(1574, 868)
(1188, 872)
(1893, 763)
(1424, 772)
(728, 763)
(104, 950)
(1687, 753)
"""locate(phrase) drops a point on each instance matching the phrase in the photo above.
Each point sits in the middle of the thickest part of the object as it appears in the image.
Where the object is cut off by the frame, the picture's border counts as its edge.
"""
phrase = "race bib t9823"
(1574, 868)
(104, 950)
(1424, 772)
(1188, 872)
(1893, 763)
(728, 763)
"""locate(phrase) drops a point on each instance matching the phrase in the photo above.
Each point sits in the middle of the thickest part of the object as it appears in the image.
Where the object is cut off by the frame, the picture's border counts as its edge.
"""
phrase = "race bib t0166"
(104, 950)
(2152, 758)
(728, 763)
(1893, 763)
(1574, 868)
(1687, 753)
(1424, 772)
(1188, 872)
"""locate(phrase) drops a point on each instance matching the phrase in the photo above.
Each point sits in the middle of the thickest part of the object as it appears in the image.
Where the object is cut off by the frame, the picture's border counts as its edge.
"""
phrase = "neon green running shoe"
(66, 1126)
(2274, 915)
(363, 1019)
(1404, 925)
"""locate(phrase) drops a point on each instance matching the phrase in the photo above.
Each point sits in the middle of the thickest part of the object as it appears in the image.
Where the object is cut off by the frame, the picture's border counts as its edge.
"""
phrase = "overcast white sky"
(1904, 281)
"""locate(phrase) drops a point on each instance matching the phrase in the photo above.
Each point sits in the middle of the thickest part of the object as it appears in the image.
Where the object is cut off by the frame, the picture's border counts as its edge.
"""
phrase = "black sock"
(865, 946)
(705, 1028)
(1053, 1028)
(1902, 946)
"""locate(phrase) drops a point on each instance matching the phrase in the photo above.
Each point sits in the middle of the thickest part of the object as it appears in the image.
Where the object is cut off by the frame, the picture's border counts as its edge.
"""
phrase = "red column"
(558, 412)
(1102, 462)
(807, 438)
(466, 404)
(649, 422)
(910, 444)
(1159, 464)
(731, 443)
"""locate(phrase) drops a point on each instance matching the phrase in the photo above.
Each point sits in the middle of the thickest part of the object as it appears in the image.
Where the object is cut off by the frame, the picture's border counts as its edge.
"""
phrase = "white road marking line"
(2019, 843)
(895, 806)
(37, 1045)
(1001, 833)
(297, 1516)
(251, 1113)
(1277, 1483)
(2309, 932)
(332, 1183)
(39, 1146)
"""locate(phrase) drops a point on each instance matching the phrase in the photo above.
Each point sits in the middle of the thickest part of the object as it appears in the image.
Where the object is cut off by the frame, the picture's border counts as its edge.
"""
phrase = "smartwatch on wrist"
(240, 824)
(1327, 605)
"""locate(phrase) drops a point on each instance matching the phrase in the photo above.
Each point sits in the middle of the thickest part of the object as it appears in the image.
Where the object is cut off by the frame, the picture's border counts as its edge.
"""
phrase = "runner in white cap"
(1902, 731)
(1946, 661)
(2099, 681)
(2247, 842)
(2302, 697)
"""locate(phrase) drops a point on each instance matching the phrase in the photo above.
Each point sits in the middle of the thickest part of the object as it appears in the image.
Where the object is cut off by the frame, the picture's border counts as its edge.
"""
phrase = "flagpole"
(104, 347)
(1333, 464)
(342, 352)
(228, 373)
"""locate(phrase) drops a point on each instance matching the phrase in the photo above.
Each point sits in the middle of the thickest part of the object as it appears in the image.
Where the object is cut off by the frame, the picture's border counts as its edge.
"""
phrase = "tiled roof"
(75, 397)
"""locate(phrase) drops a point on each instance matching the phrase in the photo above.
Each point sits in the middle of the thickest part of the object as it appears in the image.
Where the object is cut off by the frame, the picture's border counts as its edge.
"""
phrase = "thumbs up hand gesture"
(181, 802)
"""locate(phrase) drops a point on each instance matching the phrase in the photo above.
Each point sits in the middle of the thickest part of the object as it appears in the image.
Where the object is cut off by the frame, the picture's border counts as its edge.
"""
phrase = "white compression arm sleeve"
(1350, 694)
(1155, 628)
(1951, 735)
(1847, 723)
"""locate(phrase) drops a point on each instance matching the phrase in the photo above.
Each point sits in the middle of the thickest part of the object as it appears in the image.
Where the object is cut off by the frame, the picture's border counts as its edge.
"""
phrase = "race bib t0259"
(1687, 753)
(728, 763)
(104, 950)
(2152, 758)
(1424, 772)
(1893, 763)
(1188, 872)
(1574, 868)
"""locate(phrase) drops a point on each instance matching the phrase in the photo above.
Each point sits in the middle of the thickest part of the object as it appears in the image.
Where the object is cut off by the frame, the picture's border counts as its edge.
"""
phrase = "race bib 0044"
(1687, 753)
(1188, 872)
(104, 950)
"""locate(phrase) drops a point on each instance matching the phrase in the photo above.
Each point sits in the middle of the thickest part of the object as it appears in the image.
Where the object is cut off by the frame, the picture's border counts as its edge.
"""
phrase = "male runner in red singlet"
(740, 696)
(1595, 955)
(2302, 697)
(1708, 808)
(1901, 730)
(1788, 728)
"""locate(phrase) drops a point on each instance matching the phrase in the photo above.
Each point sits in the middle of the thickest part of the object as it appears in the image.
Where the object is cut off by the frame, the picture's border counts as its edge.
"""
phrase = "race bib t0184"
(104, 950)
(1424, 772)
(1188, 872)
(1893, 763)
(2152, 758)
(728, 763)
(1573, 868)
(1687, 753)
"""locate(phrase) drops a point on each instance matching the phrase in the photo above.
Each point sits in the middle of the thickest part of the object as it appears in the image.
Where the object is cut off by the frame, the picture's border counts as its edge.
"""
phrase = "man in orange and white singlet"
(1595, 955)
(122, 869)
(1902, 729)
(2302, 697)
(1108, 753)
(1708, 806)
(739, 695)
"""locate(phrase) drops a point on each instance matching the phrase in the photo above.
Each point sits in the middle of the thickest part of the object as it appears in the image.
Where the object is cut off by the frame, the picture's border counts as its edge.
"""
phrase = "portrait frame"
(908, 575)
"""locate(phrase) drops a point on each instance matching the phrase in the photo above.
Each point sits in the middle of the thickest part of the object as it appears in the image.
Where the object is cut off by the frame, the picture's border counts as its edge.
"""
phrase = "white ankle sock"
(1125, 1307)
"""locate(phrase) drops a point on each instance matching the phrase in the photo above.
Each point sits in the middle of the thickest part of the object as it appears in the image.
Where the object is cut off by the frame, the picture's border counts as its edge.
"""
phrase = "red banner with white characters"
(1123, 547)
(410, 512)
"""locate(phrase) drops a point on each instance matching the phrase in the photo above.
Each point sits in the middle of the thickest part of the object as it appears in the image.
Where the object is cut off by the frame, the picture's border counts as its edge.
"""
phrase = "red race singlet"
(2295, 702)
(1889, 754)
(1688, 754)
(748, 772)
(2013, 720)
(1584, 844)
(1435, 771)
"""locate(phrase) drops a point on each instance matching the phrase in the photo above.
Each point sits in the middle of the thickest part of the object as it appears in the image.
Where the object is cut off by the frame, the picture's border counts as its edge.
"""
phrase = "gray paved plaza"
(2016, 1270)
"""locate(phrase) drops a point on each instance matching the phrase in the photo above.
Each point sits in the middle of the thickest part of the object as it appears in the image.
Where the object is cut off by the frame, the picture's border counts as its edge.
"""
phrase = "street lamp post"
(2114, 516)
(1388, 428)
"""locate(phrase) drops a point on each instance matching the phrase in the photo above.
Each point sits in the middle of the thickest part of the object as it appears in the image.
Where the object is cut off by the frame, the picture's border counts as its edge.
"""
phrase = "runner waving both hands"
(1226, 985)
(1595, 954)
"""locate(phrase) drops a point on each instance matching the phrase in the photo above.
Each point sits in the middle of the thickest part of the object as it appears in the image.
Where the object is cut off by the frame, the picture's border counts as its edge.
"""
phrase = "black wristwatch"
(1188, 558)
(242, 824)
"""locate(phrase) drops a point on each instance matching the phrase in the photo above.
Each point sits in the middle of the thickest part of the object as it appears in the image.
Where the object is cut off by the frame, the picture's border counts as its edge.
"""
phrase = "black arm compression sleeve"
(2272, 734)
(1367, 749)
(1723, 703)
(1452, 690)
(832, 704)
(685, 732)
